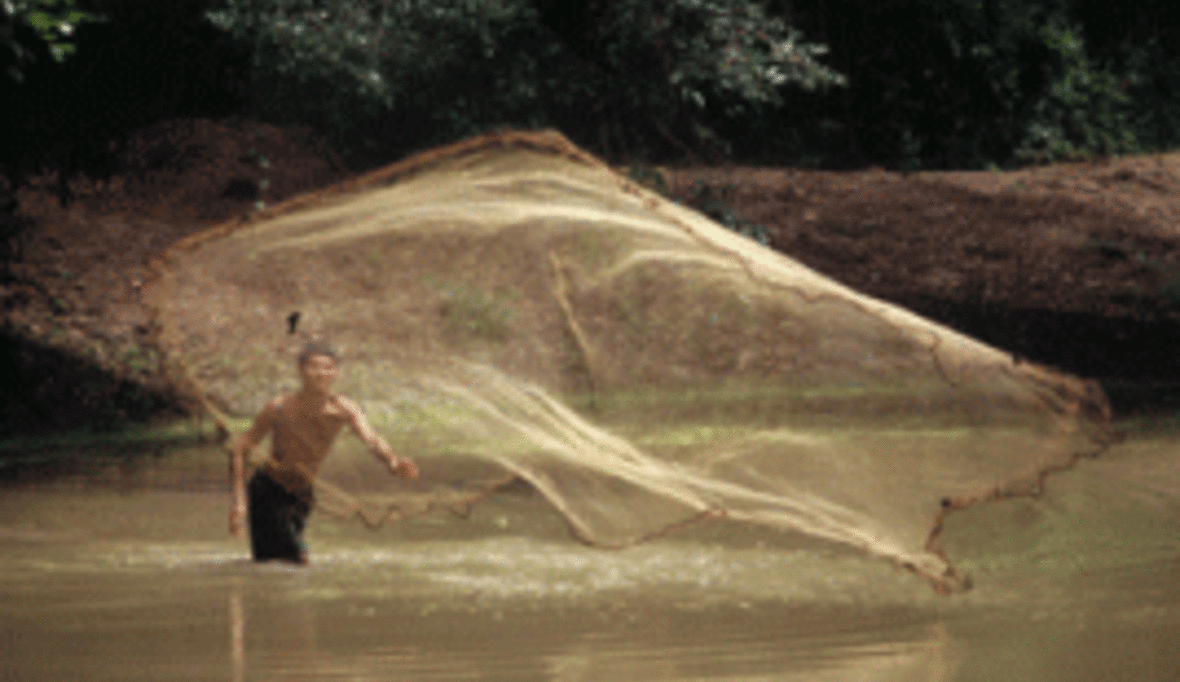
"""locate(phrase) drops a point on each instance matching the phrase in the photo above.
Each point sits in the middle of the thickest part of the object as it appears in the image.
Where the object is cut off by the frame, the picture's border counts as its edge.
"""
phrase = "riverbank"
(1074, 266)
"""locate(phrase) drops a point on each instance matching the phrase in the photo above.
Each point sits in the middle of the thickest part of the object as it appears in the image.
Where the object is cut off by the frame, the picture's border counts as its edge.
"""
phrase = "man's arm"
(399, 466)
(249, 440)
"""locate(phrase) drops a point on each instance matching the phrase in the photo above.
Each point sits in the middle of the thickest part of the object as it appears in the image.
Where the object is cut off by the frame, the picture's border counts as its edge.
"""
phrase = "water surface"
(122, 571)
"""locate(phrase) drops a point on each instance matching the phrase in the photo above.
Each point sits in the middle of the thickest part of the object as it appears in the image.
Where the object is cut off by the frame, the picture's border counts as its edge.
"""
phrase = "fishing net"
(511, 306)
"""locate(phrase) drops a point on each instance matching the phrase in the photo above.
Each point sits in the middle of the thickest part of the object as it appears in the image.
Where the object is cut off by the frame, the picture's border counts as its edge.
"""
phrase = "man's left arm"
(399, 466)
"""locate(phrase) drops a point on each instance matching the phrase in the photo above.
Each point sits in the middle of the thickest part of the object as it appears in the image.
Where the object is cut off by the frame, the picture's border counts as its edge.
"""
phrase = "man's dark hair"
(317, 348)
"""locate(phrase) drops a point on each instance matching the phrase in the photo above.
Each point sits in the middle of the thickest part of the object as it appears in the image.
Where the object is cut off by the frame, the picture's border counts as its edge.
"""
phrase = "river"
(121, 569)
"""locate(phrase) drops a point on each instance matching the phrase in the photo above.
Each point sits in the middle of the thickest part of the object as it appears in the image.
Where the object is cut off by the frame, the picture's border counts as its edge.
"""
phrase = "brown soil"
(1072, 265)
(1075, 266)
(1068, 238)
(75, 330)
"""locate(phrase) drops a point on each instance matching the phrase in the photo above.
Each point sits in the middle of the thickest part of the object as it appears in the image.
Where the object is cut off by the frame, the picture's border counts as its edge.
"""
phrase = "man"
(303, 426)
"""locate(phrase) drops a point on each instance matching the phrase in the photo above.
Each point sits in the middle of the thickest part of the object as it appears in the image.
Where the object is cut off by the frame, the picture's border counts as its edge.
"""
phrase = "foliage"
(473, 312)
(712, 202)
(143, 63)
(649, 177)
(1152, 76)
(28, 25)
(1082, 112)
(1061, 104)
(976, 83)
(730, 51)
(931, 83)
(393, 74)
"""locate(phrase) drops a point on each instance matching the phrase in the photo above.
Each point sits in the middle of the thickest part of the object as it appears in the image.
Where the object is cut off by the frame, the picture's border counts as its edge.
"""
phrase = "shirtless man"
(303, 427)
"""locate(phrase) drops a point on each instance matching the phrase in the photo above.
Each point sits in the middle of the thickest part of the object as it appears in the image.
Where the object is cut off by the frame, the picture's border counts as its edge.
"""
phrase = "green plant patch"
(713, 202)
(473, 312)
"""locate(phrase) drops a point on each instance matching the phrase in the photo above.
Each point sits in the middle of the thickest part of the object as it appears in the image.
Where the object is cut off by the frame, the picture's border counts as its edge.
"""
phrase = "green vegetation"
(255, 157)
(30, 27)
(379, 76)
(471, 311)
(649, 177)
(191, 446)
(1167, 273)
(712, 202)
(176, 431)
(973, 84)
(929, 83)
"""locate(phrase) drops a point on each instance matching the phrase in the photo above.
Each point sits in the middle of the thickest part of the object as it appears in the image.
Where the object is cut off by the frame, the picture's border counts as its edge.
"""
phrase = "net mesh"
(511, 301)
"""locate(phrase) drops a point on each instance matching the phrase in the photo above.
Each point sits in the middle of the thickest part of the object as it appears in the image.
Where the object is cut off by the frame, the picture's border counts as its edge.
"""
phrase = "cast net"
(511, 303)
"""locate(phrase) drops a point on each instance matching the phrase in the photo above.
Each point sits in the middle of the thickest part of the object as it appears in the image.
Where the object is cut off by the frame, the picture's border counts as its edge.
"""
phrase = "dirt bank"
(1075, 265)
(74, 332)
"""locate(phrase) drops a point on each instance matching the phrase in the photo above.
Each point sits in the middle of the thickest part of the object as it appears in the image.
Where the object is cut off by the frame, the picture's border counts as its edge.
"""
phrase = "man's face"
(319, 372)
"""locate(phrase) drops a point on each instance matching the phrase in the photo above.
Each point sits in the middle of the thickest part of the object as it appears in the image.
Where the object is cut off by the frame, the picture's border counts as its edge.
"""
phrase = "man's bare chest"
(313, 429)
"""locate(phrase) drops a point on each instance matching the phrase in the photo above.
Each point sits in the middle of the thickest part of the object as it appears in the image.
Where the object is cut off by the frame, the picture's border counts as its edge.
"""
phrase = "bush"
(384, 76)
(32, 27)
(971, 83)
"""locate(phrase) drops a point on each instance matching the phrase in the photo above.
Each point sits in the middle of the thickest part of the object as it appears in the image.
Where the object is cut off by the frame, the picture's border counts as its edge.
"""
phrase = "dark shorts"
(277, 518)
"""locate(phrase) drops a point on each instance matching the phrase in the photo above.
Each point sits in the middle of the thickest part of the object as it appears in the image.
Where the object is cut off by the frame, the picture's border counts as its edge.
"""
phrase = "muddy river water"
(123, 571)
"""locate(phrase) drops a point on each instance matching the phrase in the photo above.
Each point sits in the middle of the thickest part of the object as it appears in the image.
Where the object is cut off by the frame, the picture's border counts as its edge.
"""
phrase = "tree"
(397, 73)
(28, 27)
(972, 83)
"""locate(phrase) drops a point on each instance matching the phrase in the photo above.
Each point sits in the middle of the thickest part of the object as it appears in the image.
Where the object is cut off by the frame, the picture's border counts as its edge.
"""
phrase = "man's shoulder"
(279, 401)
(276, 404)
(347, 405)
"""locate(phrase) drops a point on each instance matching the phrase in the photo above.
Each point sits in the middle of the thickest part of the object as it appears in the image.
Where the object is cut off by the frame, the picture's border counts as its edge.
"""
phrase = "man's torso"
(301, 438)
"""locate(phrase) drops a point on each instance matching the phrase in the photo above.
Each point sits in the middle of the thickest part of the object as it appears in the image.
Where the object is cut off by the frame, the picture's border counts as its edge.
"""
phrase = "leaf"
(61, 50)
(42, 22)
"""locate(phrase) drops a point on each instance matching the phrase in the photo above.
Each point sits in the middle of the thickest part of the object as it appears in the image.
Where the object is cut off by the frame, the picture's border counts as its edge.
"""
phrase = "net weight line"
(355, 510)
(351, 506)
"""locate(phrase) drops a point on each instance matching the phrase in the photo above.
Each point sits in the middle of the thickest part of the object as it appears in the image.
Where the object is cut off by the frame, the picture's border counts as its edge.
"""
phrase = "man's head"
(314, 348)
(317, 366)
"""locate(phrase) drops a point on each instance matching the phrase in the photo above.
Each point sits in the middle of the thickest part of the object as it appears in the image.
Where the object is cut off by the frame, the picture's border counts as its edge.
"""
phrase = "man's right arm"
(249, 440)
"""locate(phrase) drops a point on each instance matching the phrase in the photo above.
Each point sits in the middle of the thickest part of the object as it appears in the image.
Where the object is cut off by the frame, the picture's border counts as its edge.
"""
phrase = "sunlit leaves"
(1056, 101)
(50, 22)
(374, 47)
(1082, 112)
(648, 57)
(739, 53)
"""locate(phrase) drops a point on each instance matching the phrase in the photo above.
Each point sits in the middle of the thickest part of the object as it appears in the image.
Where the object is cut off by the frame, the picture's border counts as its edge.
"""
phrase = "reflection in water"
(287, 644)
(927, 658)
(651, 642)
(237, 636)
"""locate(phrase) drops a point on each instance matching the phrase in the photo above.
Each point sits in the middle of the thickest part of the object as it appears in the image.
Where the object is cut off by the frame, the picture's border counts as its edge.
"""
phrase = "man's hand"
(399, 466)
(237, 519)
(403, 467)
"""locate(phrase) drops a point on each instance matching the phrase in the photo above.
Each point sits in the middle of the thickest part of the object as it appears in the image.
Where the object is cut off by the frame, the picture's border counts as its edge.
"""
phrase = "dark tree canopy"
(29, 28)
(431, 70)
(929, 83)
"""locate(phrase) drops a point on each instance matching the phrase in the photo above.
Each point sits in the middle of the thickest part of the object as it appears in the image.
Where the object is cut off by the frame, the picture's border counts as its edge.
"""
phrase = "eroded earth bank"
(1073, 266)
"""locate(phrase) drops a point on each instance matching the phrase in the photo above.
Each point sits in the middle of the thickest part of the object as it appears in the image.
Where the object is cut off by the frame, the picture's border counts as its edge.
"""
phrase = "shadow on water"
(1136, 358)
(130, 458)
(65, 416)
